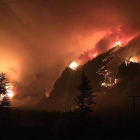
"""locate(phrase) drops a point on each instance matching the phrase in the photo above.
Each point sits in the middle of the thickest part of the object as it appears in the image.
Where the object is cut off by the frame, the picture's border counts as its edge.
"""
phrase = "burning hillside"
(104, 72)
(118, 37)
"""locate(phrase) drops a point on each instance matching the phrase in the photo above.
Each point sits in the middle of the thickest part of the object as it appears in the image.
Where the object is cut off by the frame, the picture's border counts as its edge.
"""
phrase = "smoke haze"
(39, 39)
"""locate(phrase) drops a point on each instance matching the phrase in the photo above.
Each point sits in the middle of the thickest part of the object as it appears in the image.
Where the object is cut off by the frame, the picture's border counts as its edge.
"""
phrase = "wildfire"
(132, 59)
(117, 44)
(106, 84)
(10, 93)
(47, 95)
(73, 65)
(94, 55)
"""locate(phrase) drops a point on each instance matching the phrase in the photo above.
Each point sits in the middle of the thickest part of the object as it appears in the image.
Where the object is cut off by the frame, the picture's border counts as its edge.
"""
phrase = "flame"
(117, 44)
(1, 95)
(105, 84)
(10, 93)
(94, 55)
(116, 81)
(133, 59)
(73, 65)
(47, 95)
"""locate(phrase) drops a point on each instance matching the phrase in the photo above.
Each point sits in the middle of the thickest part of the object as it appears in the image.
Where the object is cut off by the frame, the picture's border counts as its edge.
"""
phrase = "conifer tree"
(3, 90)
(85, 99)
(6, 101)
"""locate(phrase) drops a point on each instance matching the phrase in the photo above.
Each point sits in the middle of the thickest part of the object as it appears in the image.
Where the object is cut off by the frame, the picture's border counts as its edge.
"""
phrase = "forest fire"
(109, 77)
(117, 44)
(73, 65)
(132, 59)
(106, 84)
(10, 93)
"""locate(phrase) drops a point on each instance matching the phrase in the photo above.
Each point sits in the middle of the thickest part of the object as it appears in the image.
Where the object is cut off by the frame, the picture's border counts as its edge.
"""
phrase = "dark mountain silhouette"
(64, 91)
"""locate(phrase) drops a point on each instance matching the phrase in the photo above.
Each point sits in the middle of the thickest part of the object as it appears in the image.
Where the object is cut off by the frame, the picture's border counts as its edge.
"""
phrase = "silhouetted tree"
(6, 101)
(85, 99)
(3, 90)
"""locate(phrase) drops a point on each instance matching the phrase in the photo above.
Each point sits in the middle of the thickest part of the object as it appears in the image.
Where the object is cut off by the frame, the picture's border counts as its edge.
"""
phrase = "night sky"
(39, 38)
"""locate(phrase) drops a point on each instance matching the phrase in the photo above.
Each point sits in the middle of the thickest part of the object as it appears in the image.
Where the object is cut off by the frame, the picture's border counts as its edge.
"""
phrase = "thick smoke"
(39, 39)
(120, 36)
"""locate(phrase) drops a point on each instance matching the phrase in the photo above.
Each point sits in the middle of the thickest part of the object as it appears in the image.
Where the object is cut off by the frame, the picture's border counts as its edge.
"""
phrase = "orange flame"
(94, 55)
(10, 93)
(117, 44)
(73, 65)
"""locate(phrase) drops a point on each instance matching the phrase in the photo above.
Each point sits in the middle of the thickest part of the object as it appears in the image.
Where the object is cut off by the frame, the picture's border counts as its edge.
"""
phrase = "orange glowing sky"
(39, 39)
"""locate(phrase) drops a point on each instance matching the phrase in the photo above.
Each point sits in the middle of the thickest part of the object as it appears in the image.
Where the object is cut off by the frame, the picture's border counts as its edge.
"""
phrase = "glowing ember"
(73, 65)
(132, 59)
(104, 85)
(127, 62)
(47, 95)
(94, 55)
(117, 44)
(107, 84)
(10, 93)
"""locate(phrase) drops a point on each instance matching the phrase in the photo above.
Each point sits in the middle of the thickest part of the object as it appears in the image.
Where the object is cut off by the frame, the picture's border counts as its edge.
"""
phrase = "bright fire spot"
(116, 81)
(2, 95)
(133, 60)
(73, 65)
(105, 84)
(117, 44)
(10, 93)
(94, 55)
(47, 95)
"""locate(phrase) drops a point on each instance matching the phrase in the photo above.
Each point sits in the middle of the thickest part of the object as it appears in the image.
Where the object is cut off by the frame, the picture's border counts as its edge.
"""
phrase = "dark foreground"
(21, 124)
